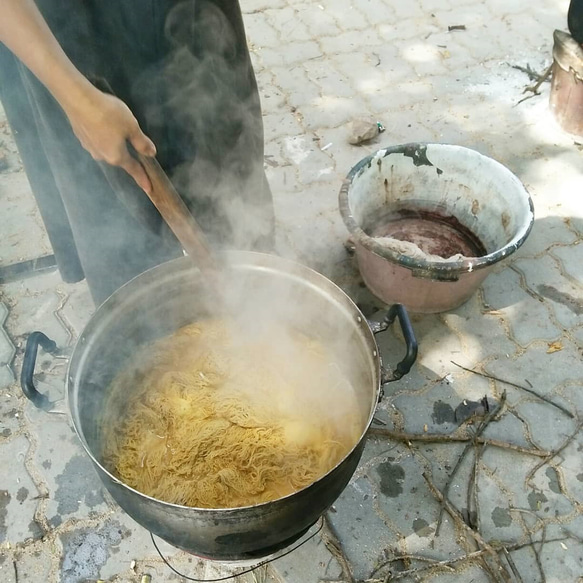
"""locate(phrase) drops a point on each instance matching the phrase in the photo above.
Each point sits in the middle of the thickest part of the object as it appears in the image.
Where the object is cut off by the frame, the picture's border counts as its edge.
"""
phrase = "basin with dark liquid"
(449, 201)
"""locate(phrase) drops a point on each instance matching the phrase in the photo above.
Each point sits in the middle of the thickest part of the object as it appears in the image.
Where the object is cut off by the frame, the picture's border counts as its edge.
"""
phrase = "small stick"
(554, 453)
(538, 552)
(472, 494)
(458, 518)
(512, 564)
(434, 564)
(517, 386)
(481, 428)
(536, 87)
(421, 558)
(334, 545)
(445, 438)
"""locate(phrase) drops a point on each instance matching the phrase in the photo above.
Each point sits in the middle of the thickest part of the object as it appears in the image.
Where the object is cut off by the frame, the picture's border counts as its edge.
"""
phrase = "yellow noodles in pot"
(205, 418)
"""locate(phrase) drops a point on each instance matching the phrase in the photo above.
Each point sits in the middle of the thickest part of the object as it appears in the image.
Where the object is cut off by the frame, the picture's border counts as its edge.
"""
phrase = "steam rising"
(210, 109)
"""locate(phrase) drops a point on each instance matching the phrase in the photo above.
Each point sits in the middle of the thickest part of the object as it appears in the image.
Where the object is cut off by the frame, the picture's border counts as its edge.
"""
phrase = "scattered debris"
(326, 147)
(554, 347)
(456, 27)
(471, 409)
(269, 161)
(534, 89)
(517, 386)
(491, 416)
(363, 130)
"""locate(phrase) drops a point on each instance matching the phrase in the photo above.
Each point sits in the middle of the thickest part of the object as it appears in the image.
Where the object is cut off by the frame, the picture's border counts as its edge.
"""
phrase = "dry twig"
(458, 518)
(513, 566)
(446, 438)
(449, 563)
(517, 386)
(481, 428)
(472, 494)
(334, 545)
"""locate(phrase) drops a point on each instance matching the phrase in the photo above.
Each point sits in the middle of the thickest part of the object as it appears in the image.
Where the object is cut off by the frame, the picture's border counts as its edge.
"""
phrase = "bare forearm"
(24, 31)
(102, 123)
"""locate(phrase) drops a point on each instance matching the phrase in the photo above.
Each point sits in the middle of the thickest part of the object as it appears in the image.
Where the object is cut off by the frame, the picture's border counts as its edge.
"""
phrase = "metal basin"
(470, 196)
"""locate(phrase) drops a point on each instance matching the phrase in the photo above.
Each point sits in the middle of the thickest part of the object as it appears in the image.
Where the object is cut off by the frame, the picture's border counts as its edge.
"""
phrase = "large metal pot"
(172, 295)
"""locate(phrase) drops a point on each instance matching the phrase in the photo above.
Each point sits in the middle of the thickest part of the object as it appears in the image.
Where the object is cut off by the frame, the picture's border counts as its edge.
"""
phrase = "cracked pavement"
(320, 64)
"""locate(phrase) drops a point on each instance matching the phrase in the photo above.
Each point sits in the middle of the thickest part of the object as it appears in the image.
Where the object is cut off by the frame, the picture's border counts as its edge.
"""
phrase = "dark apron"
(184, 70)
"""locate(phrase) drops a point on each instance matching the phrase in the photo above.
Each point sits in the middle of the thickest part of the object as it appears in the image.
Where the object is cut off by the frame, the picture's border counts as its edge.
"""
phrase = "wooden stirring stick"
(176, 214)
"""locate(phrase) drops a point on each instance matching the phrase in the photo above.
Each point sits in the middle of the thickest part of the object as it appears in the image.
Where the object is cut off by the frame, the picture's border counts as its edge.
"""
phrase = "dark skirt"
(184, 70)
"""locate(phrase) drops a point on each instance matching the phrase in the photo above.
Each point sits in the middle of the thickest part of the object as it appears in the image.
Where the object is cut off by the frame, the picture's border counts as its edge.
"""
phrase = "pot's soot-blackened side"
(433, 231)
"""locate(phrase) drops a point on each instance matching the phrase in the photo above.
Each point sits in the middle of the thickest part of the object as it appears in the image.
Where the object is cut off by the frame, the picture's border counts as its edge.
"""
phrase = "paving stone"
(437, 344)
(544, 277)
(572, 394)
(18, 495)
(549, 426)
(481, 336)
(331, 82)
(35, 308)
(289, 26)
(496, 520)
(330, 111)
(346, 13)
(77, 308)
(464, 573)
(299, 89)
(569, 257)
(318, 21)
(543, 369)
(565, 558)
(363, 532)
(296, 52)
(24, 217)
(6, 377)
(403, 499)
(35, 563)
(10, 414)
(257, 26)
(130, 542)
(7, 350)
(250, 6)
(547, 232)
(273, 100)
(527, 318)
(311, 562)
(74, 488)
(434, 410)
(348, 41)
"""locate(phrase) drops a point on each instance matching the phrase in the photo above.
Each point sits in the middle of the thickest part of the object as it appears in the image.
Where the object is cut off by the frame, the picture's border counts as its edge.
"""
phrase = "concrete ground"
(320, 64)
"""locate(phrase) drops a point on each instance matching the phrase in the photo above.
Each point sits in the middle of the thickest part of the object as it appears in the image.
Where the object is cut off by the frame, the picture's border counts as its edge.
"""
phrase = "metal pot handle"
(35, 340)
(398, 310)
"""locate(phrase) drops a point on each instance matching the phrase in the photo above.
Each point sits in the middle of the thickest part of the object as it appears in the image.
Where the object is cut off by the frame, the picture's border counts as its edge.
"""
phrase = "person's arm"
(102, 122)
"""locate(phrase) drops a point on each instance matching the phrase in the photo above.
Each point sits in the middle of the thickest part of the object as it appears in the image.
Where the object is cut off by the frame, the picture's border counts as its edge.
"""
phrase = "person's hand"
(104, 124)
